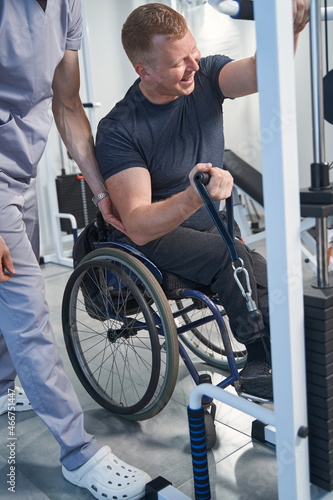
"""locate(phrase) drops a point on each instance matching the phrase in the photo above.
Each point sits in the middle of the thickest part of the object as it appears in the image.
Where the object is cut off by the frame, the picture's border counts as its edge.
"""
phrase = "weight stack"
(75, 197)
(318, 305)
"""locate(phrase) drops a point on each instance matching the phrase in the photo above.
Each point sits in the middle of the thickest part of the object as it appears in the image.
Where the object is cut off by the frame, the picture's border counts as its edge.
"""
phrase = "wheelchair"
(126, 323)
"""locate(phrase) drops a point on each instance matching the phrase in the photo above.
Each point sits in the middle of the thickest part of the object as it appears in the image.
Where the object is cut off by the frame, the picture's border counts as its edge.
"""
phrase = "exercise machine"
(274, 26)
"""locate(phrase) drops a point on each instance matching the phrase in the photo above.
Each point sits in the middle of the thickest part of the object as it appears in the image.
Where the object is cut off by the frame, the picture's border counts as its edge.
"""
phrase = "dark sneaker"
(256, 379)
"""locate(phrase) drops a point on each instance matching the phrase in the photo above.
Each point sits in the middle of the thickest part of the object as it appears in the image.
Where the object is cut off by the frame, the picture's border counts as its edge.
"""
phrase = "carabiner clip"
(250, 304)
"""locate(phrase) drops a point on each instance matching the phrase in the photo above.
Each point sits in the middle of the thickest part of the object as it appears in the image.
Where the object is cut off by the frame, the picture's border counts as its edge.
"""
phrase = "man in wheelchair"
(168, 126)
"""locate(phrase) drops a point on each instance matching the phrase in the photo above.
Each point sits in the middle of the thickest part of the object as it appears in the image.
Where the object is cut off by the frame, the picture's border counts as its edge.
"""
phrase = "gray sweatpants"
(27, 344)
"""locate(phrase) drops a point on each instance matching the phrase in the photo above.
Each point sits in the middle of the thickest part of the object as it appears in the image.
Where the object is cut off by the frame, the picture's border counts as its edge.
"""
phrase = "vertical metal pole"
(276, 81)
(318, 131)
(322, 253)
(317, 82)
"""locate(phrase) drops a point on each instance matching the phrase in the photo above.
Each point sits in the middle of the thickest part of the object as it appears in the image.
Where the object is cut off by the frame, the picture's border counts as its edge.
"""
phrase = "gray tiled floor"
(239, 469)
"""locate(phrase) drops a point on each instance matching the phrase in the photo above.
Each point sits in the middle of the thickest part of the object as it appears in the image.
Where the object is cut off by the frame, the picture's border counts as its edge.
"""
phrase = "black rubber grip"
(328, 96)
(202, 177)
(245, 10)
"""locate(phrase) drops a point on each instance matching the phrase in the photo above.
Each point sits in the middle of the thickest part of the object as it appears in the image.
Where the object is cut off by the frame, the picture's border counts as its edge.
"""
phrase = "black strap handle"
(201, 179)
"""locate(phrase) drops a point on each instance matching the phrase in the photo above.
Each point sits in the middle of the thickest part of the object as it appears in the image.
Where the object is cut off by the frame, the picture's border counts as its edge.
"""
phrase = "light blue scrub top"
(32, 43)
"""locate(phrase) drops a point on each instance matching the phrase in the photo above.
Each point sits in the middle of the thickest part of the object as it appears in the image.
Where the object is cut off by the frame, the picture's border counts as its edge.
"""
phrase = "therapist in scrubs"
(39, 43)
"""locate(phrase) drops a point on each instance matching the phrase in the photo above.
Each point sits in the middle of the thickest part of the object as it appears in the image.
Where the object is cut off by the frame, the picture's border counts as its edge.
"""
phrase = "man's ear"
(142, 71)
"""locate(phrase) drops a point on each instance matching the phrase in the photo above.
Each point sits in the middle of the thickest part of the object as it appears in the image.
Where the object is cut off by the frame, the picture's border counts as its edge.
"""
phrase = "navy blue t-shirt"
(167, 139)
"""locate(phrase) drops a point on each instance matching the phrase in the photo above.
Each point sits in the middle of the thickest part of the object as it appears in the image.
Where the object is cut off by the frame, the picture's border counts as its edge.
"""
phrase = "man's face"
(175, 64)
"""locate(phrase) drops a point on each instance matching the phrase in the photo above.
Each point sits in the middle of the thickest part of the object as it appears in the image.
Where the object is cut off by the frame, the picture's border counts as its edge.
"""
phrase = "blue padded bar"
(199, 453)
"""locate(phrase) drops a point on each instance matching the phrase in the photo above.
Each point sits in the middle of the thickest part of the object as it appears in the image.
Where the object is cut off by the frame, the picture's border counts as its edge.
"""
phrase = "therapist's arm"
(75, 130)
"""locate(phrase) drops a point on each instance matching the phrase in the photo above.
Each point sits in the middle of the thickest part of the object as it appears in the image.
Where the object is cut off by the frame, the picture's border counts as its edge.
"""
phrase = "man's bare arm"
(145, 221)
(239, 78)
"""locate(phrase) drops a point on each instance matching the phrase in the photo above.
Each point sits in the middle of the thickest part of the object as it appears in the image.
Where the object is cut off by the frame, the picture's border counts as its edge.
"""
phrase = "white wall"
(112, 74)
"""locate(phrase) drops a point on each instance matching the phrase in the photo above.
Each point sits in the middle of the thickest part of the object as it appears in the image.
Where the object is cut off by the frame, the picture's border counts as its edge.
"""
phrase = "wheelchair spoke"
(201, 333)
(112, 339)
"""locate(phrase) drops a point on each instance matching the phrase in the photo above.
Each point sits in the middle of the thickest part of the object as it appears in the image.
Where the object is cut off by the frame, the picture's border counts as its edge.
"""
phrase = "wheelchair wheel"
(120, 334)
(205, 341)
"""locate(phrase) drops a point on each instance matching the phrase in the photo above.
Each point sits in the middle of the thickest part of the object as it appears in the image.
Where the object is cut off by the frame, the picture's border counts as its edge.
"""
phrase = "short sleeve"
(115, 149)
(74, 31)
(211, 67)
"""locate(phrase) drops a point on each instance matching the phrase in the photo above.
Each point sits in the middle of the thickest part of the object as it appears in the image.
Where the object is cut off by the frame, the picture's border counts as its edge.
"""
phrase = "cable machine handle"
(202, 177)
(237, 9)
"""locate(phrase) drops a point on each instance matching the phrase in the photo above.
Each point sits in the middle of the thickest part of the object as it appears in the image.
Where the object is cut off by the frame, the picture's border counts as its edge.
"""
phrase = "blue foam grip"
(199, 453)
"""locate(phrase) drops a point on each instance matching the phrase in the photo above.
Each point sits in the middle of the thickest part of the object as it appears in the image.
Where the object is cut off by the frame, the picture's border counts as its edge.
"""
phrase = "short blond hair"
(144, 23)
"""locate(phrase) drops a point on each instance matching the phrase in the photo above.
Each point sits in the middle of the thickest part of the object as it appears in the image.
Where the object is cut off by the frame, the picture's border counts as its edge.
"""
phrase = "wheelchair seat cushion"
(174, 286)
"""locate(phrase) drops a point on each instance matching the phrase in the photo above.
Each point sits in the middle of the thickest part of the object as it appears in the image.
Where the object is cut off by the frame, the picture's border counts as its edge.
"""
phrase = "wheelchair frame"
(120, 273)
(121, 289)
